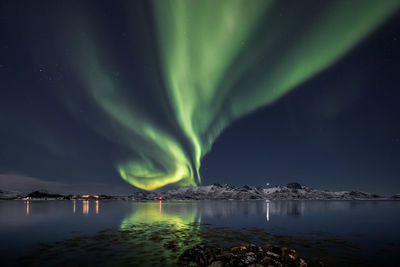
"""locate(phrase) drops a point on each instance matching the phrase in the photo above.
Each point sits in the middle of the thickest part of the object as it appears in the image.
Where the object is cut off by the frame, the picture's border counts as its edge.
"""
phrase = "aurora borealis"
(216, 72)
(183, 71)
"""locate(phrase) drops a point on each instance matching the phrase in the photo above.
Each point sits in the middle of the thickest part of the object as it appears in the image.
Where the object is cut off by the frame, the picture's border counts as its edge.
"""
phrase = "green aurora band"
(220, 60)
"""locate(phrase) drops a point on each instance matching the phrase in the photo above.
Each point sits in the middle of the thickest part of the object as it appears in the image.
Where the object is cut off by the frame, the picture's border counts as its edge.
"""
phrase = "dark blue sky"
(340, 130)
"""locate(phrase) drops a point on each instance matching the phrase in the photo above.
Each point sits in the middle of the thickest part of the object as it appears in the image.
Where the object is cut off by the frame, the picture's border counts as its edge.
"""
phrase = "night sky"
(102, 95)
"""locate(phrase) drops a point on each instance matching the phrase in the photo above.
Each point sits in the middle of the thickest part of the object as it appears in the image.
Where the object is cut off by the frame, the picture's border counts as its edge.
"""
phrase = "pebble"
(216, 264)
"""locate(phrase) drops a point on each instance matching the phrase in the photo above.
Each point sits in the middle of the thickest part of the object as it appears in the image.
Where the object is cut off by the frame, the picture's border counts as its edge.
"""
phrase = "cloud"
(27, 184)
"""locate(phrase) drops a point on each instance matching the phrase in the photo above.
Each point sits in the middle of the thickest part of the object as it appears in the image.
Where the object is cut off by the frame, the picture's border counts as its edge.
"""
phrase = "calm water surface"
(123, 233)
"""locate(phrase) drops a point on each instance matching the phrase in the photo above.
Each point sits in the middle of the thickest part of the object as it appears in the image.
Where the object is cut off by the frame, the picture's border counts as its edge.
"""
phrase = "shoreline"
(196, 200)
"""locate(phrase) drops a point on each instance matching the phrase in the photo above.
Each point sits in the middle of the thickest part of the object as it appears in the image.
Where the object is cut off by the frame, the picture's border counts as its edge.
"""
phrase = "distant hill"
(8, 194)
(293, 191)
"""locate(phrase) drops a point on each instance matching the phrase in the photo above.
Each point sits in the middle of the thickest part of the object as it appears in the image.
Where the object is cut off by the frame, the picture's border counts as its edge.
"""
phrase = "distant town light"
(90, 196)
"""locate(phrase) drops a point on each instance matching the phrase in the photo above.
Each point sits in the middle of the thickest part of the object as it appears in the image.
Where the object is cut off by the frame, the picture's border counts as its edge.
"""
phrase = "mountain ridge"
(292, 191)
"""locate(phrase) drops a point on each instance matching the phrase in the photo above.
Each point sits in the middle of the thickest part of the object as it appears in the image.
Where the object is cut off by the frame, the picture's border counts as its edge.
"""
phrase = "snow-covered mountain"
(395, 197)
(292, 191)
(4, 194)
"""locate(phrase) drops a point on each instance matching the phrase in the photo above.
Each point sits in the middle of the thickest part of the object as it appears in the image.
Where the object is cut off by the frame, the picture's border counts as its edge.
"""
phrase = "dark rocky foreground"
(163, 244)
(244, 255)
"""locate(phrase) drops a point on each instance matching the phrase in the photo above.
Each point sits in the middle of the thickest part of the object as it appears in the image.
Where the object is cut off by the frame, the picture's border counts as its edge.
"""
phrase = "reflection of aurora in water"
(165, 228)
(153, 212)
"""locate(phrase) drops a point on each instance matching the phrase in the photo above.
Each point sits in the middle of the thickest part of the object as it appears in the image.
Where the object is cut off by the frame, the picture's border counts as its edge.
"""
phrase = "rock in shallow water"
(244, 255)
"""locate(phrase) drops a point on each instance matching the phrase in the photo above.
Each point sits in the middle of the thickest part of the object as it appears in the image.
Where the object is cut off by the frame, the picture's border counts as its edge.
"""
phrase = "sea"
(156, 233)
